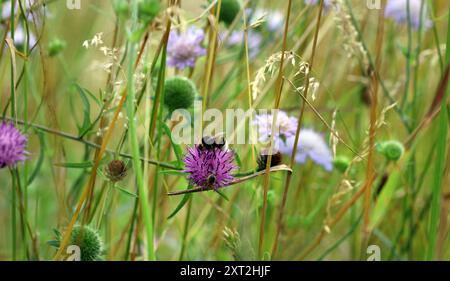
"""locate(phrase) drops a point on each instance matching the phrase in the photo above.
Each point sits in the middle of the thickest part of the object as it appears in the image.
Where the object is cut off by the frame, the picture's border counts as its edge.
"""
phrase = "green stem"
(134, 145)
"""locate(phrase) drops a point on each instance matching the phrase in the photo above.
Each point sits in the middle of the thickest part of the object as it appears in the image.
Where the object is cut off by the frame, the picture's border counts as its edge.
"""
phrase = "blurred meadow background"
(364, 116)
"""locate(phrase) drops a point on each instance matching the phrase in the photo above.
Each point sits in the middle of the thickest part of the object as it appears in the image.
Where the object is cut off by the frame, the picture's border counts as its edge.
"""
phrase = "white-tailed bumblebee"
(209, 142)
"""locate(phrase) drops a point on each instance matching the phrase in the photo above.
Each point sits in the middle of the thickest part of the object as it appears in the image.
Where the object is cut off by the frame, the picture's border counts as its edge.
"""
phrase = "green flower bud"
(392, 150)
(148, 9)
(179, 92)
(341, 163)
(229, 9)
(55, 47)
(89, 241)
(121, 7)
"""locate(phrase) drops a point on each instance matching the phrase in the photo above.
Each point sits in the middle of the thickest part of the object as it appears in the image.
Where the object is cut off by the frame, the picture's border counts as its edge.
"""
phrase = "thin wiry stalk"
(372, 130)
(297, 134)
(278, 90)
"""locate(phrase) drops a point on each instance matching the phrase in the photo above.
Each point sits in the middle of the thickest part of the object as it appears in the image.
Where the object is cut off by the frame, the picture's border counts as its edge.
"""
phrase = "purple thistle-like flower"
(12, 145)
(183, 49)
(209, 168)
(398, 11)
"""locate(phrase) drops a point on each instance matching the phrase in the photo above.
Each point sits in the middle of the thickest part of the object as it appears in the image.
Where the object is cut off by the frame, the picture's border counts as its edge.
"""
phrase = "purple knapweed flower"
(183, 49)
(398, 11)
(209, 168)
(310, 145)
(12, 145)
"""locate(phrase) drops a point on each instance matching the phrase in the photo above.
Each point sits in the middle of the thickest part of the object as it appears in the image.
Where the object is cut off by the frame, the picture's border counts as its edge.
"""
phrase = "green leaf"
(181, 204)
(176, 148)
(40, 159)
(222, 195)
(86, 113)
(81, 165)
(125, 191)
(386, 195)
(54, 243)
(172, 172)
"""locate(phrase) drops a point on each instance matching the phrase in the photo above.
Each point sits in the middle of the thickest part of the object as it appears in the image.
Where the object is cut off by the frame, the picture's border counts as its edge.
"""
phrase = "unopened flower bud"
(116, 170)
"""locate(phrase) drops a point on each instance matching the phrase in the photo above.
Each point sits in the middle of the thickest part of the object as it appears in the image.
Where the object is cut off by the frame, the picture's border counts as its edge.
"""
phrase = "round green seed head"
(179, 92)
(392, 150)
(89, 241)
(148, 10)
(121, 7)
(229, 9)
(341, 163)
(55, 47)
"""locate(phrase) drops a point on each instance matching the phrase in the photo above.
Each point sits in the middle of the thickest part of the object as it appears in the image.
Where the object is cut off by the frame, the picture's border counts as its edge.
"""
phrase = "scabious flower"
(311, 145)
(183, 49)
(326, 3)
(274, 20)
(254, 41)
(398, 11)
(19, 32)
(209, 168)
(12, 145)
(285, 126)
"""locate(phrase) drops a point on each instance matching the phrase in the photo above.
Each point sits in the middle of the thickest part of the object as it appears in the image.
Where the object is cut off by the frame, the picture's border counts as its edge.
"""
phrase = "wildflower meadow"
(228, 130)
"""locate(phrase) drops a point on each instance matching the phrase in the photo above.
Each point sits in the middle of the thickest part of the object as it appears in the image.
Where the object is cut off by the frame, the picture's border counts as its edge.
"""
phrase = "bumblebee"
(210, 181)
(210, 143)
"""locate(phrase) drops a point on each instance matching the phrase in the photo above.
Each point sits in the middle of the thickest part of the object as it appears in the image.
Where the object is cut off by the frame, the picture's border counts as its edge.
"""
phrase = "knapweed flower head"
(12, 145)
(254, 41)
(209, 168)
(116, 170)
(311, 145)
(285, 126)
(183, 49)
(398, 11)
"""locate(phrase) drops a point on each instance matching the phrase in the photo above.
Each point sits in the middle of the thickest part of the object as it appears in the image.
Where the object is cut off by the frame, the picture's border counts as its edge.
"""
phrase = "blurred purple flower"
(285, 126)
(398, 11)
(6, 9)
(310, 145)
(274, 19)
(254, 41)
(183, 49)
(12, 145)
(209, 168)
(20, 36)
(326, 3)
